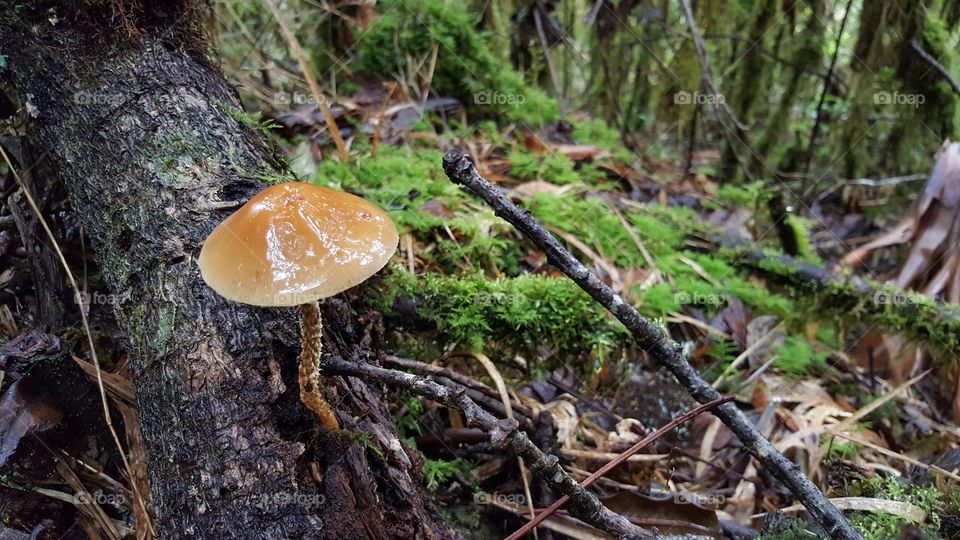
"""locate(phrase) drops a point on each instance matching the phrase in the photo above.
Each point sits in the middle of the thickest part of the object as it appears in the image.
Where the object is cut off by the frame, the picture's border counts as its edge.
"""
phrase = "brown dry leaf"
(675, 514)
(579, 152)
(536, 187)
(24, 409)
(932, 266)
(566, 419)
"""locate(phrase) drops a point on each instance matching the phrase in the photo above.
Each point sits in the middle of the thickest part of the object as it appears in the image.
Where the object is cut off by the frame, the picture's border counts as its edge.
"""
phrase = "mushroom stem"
(311, 328)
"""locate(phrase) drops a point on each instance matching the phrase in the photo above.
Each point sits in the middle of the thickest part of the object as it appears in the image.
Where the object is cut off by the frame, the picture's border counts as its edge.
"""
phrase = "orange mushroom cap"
(294, 243)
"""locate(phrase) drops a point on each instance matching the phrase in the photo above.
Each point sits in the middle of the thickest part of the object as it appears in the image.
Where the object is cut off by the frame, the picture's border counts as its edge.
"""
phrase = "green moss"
(526, 314)
(796, 358)
(881, 526)
(409, 31)
(439, 471)
(410, 185)
(745, 195)
(799, 228)
(554, 167)
(253, 120)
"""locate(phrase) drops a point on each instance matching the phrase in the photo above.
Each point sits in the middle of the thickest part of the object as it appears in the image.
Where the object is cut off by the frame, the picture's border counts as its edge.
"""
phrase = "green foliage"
(438, 471)
(744, 195)
(799, 226)
(554, 167)
(253, 120)
(411, 187)
(796, 358)
(409, 30)
(522, 314)
(408, 425)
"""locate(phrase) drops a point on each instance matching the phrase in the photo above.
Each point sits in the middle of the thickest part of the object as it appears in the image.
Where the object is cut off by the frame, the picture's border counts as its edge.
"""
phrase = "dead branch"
(654, 340)
(504, 436)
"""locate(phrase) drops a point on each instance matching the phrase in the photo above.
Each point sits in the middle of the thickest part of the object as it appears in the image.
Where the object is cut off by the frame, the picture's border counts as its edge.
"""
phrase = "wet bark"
(145, 139)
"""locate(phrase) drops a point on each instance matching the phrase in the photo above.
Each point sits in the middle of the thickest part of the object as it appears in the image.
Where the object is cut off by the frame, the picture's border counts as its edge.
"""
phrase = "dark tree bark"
(140, 132)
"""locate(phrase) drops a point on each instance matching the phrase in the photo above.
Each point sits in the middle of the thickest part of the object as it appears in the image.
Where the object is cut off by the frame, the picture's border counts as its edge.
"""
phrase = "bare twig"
(928, 58)
(640, 445)
(504, 435)
(655, 341)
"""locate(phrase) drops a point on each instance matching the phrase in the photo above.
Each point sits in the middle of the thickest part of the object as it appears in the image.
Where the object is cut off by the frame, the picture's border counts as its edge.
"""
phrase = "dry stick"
(379, 126)
(618, 460)
(653, 340)
(311, 80)
(504, 436)
(86, 328)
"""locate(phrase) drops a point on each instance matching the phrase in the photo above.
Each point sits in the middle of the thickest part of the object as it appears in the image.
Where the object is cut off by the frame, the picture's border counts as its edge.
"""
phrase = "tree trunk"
(144, 136)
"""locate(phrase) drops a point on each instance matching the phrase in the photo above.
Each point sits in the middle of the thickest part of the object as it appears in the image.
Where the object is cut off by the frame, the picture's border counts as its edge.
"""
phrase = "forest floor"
(468, 294)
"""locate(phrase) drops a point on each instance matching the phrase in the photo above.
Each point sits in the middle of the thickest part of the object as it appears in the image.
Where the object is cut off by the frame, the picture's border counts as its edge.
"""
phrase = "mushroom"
(291, 245)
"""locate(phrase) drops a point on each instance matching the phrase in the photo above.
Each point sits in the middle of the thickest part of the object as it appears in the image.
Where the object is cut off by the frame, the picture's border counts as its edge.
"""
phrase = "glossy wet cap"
(294, 243)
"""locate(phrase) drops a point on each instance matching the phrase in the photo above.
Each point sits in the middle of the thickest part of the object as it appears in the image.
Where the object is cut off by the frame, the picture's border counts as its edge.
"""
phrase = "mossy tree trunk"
(139, 131)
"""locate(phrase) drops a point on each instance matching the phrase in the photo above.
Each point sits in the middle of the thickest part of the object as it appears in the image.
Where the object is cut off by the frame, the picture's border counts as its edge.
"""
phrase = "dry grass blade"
(876, 404)
(866, 504)
(494, 373)
(899, 456)
(86, 328)
(311, 80)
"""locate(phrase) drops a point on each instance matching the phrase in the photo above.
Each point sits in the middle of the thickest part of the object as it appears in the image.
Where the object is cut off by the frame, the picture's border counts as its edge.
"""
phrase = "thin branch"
(655, 341)
(928, 58)
(504, 436)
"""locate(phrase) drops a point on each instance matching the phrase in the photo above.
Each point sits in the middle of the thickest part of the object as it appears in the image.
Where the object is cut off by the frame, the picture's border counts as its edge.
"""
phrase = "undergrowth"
(405, 36)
